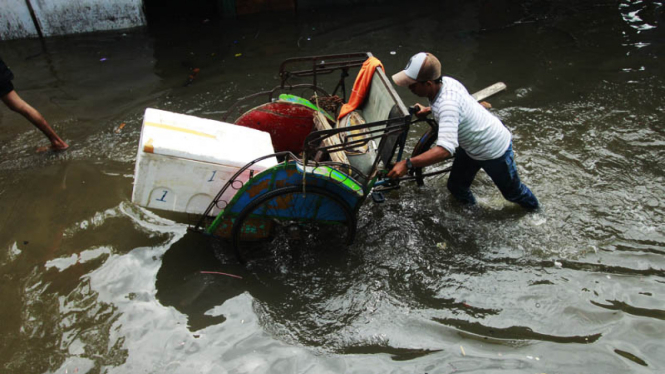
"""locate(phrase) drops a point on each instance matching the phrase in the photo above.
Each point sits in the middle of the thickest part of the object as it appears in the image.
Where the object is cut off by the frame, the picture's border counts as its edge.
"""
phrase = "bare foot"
(58, 147)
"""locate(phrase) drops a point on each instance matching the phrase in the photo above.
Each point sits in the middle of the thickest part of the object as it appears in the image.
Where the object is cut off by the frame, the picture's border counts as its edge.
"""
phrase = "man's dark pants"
(6, 77)
(503, 172)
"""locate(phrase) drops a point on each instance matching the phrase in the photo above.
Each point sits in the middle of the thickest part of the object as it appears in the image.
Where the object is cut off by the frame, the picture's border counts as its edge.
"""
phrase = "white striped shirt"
(465, 123)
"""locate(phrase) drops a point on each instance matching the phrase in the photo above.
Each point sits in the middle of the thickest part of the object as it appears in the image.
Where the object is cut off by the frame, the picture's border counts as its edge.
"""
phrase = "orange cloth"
(361, 86)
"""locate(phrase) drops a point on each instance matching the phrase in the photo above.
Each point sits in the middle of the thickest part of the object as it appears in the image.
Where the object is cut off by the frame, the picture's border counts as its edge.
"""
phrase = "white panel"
(15, 20)
(181, 185)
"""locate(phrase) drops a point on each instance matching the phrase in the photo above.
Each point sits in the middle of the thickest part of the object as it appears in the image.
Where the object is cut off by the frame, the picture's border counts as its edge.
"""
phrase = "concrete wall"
(61, 17)
(15, 20)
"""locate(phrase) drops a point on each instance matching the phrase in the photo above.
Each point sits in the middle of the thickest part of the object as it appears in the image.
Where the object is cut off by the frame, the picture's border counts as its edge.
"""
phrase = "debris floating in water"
(220, 273)
(558, 264)
(393, 52)
(462, 349)
(122, 125)
(192, 76)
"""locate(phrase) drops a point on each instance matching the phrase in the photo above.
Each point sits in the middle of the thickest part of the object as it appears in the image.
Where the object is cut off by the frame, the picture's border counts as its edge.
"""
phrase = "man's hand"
(398, 171)
(431, 157)
(422, 111)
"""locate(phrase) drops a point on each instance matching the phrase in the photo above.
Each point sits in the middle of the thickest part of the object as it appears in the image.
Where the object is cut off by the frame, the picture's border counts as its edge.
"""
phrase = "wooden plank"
(489, 91)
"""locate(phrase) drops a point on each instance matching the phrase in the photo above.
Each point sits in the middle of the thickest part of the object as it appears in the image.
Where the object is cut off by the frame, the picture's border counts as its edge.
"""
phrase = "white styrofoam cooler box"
(183, 161)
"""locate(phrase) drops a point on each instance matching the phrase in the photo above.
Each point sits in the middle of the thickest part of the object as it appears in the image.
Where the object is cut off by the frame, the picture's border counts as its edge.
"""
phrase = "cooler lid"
(183, 136)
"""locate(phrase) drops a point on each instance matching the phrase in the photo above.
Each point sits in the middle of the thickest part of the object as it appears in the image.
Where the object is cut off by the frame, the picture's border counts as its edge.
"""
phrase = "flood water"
(93, 284)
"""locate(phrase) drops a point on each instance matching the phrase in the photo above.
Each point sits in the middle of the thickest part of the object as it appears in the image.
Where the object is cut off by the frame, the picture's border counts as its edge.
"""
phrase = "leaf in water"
(631, 357)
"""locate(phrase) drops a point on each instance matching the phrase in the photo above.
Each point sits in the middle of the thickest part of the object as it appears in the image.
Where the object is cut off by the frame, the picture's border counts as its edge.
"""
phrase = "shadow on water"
(182, 281)
(290, 290)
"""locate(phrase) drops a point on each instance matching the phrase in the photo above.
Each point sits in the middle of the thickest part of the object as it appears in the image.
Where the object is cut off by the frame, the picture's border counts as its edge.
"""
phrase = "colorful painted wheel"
(316, 218)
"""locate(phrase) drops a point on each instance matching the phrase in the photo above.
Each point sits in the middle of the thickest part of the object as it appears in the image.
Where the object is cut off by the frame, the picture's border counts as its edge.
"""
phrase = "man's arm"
(431, 157)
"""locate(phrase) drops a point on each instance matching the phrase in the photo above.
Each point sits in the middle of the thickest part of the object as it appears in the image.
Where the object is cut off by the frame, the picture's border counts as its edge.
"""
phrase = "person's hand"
(422, 111)
(486, 105)
(399, 170)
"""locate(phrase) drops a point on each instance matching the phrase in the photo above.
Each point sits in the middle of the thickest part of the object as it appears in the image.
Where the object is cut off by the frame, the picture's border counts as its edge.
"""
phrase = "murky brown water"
(93, 284)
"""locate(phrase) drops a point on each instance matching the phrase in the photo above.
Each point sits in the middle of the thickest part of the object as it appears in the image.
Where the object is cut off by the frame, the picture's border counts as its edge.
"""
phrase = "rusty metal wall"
(60, 17)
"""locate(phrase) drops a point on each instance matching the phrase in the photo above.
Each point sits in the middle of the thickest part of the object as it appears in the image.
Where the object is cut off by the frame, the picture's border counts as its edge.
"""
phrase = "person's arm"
(18, 105)
(431, 157)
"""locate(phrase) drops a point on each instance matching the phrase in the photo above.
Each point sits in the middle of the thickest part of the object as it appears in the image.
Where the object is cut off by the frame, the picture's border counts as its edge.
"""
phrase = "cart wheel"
(424, 144)
(288, 217)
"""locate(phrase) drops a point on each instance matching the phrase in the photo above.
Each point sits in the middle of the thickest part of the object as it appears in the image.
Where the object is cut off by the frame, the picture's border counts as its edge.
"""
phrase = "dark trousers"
(503, 172)
(6, 77)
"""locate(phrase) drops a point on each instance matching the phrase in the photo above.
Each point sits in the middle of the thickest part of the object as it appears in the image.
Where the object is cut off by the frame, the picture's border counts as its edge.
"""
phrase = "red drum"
(287, 123)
